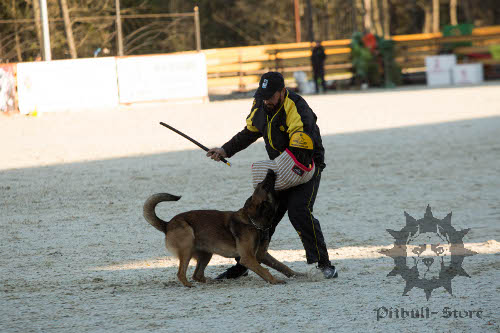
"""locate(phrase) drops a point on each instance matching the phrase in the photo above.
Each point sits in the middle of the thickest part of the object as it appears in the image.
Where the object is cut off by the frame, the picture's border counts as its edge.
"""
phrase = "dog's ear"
(268, 182)
(247, 203)
(271, 175)
(271, 198)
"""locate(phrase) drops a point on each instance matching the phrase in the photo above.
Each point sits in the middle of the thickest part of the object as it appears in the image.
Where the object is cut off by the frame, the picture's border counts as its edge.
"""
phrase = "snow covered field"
(77, 255)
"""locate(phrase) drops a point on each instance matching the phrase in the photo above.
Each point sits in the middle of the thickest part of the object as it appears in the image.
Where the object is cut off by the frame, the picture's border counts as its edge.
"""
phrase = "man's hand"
(216, 153)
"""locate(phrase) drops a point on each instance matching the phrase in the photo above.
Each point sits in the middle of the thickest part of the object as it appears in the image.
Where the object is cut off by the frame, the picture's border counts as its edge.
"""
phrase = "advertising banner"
(67, 85)
(162, 77)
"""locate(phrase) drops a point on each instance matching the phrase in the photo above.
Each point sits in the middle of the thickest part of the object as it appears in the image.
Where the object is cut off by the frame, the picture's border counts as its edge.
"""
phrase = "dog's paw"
(187, 284)
(200, 279)
(278, 281)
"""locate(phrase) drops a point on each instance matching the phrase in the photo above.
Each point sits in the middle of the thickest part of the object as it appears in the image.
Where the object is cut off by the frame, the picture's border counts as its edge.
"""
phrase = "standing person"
(276, 114)
(318, 64)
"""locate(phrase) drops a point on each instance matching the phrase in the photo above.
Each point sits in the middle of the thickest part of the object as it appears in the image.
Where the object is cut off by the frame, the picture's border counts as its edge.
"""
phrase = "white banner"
(440, 63)
(66, 85)
(468, 74)
(162, 77)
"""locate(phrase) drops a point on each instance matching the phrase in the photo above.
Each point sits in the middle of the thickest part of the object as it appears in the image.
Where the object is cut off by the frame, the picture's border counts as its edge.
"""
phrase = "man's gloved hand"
(216, 153)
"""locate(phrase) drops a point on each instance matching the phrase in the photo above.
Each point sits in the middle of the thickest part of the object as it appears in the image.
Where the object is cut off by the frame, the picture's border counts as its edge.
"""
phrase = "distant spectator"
(318, 64)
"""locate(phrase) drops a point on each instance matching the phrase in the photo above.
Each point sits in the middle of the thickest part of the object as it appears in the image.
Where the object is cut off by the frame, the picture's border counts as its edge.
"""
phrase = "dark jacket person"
(318, 57)
(275, 115)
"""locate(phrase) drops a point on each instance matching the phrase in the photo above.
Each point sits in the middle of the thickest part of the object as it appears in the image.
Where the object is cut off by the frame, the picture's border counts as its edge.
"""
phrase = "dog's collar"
(255, 225)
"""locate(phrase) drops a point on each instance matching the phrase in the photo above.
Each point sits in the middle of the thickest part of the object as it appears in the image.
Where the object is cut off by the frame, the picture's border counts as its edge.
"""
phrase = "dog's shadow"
(252, 280)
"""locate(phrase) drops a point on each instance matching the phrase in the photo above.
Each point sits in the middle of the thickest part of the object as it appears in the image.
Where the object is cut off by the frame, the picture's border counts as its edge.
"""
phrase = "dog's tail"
(149, 209)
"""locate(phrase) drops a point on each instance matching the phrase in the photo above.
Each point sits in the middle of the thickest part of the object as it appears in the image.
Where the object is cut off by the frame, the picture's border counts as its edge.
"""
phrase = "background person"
(318, 64)
(276, 114)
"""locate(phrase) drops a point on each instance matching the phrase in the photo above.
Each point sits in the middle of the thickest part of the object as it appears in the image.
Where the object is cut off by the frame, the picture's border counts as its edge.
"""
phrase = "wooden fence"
(241, 66)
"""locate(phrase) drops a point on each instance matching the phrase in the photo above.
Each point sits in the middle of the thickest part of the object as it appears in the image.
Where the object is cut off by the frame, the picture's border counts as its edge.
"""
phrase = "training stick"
(192, 140)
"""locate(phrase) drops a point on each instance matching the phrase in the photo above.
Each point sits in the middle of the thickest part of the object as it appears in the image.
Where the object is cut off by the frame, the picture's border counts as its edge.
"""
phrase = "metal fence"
(21, 40)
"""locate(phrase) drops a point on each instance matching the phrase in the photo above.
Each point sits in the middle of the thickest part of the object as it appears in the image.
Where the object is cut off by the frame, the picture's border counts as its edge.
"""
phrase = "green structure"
(373, 60)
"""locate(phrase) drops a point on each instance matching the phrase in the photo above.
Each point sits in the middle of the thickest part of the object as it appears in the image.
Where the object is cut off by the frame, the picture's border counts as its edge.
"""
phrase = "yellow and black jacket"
(294, 115)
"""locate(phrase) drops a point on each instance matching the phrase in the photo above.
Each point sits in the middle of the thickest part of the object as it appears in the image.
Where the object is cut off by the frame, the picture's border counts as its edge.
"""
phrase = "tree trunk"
(428, 17)
(358, 14)
(453, 12)
(38, 24)
(376, 18)
(368, 23)
(67, 27)
(435, 15)
(16, 33)
(310, 24)
(467, 11)
(386, 16)
(326, 22)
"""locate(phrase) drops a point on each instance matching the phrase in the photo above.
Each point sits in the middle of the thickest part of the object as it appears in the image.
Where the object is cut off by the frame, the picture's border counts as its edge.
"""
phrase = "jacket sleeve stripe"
(250, 125)
(293, 119)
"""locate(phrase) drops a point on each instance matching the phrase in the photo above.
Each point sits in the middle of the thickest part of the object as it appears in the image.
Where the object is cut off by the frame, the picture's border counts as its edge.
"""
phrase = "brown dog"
(201, 233)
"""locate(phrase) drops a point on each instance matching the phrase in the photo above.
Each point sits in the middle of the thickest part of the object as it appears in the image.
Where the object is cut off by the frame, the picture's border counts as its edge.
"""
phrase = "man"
(276, 114)
(318, 64)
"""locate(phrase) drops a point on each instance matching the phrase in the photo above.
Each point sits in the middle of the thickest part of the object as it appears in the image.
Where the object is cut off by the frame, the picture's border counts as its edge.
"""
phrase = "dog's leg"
(264, 257)
(184, 258)
(180, 240)
(270, 261)
(251, 263)
(249, 260)
(203, 258)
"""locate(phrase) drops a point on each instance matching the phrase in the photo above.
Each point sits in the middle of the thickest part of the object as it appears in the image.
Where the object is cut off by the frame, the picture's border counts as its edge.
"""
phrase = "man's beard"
(273, 108)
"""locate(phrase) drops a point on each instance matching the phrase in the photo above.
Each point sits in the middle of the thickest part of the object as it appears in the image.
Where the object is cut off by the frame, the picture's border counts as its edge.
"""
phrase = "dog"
(201, 233)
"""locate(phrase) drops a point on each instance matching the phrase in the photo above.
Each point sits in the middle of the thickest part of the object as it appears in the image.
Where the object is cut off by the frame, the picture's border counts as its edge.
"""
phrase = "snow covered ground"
(77, 255)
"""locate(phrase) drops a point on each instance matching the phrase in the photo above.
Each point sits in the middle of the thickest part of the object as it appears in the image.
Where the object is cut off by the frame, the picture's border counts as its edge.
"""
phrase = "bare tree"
(368, 22)
(386, 14)
(377, 22)
(358, 8)
(38, 23)
(222, 25)
(16, 31)
(467, 11)
(426, 6)
(435, 15)
(67, 27)
(453, 12)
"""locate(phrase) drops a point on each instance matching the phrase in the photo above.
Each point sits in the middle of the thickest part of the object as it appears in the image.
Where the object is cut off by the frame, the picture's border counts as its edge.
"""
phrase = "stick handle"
(192, 140)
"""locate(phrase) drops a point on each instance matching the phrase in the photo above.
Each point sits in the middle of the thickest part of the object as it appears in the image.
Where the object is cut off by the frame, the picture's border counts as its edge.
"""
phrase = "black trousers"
(299, 202)
(319, 74)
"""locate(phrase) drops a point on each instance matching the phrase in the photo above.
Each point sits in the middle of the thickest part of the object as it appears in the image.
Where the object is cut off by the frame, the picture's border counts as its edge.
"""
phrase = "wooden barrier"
(241, 66)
